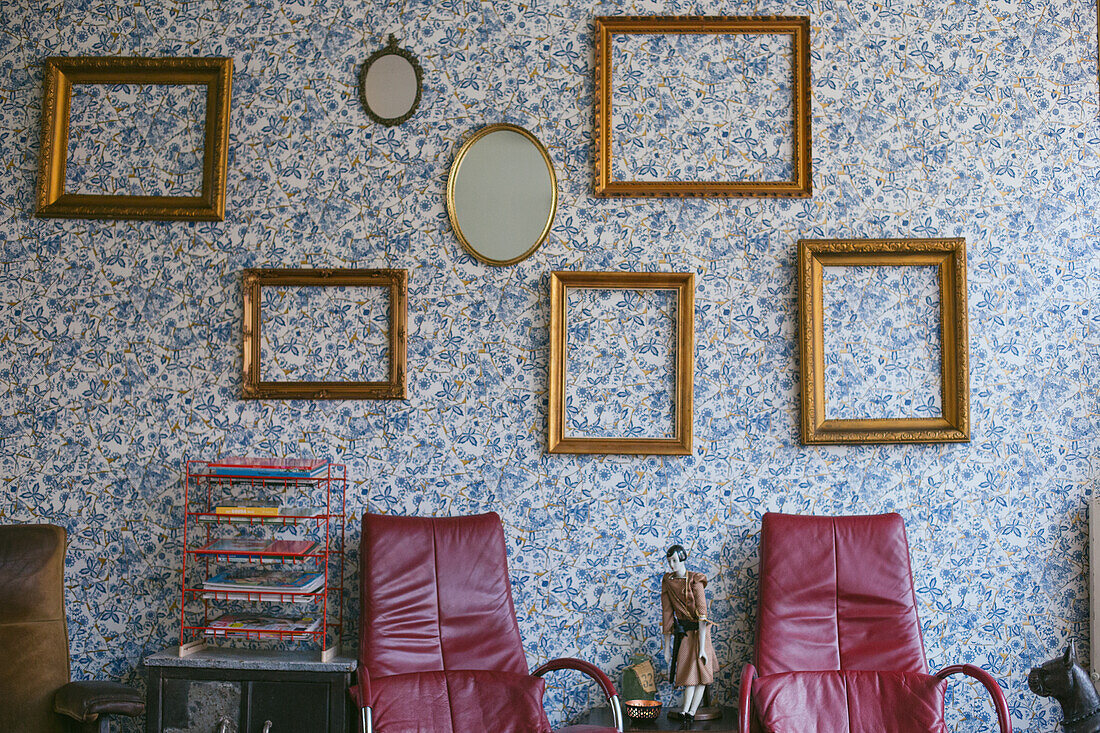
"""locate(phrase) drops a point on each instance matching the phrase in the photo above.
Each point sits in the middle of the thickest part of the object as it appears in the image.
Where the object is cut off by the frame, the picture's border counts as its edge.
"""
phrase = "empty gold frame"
(684, 285)
(391, 389)
(949, 257)
(61, 73)
(799, 185)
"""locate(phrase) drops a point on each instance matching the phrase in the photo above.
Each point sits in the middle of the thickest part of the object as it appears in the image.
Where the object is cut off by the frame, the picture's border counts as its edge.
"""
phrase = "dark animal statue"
(1064, 680)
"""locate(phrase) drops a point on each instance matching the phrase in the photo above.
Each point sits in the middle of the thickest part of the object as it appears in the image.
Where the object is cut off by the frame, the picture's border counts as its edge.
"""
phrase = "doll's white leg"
(693, 696)
(696, 698)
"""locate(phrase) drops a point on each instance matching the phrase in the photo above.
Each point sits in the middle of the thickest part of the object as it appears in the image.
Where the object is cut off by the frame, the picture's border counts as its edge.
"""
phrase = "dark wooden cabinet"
(247, 691)
(292, 705)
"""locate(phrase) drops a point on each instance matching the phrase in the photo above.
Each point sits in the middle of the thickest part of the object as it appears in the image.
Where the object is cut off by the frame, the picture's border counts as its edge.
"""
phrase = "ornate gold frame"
(391, 389)
(949, 255)
(390, 49)
(684, 285)
(798, 26)
(62, 73)
(453, 174)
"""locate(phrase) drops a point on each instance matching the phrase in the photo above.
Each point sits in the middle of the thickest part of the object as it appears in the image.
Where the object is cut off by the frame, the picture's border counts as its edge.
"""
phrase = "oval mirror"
(389, 84)
(502, 194)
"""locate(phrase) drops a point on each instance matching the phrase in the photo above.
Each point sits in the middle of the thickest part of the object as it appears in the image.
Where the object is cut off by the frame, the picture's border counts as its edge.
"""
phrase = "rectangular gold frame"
(684, 285)
(798, 26)
(61, 73)
(391, 389)
(949, 256)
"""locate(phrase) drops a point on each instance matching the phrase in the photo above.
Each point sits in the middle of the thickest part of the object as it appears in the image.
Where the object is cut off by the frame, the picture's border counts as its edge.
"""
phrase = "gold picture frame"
(391, 389)
(61, 73)
(684, 285)
(797, 26)
(949, 257)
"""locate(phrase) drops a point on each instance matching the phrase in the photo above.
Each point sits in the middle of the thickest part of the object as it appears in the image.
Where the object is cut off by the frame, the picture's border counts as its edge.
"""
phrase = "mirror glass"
(390, 85)
(502, 194)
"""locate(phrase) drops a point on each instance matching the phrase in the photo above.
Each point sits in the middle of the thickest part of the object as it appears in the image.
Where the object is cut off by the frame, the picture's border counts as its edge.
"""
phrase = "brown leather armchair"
(36, 695)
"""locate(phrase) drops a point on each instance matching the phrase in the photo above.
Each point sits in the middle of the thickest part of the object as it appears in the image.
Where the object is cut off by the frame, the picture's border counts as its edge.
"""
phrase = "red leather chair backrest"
(435, 595)
(836, 593)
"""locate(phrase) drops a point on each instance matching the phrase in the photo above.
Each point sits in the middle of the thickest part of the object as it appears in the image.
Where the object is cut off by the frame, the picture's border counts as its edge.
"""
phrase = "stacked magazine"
(289, 469)
(244, 549)
(240, 624)
(261, 514)
(263, 585)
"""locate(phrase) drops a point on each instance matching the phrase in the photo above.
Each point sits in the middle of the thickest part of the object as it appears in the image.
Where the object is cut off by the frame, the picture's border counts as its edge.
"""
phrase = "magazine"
(277, 468)
(239, 624)
(272, 581)
(291, 547)
(249, 511)
(236, 546)
(244, 549)
(285, 464)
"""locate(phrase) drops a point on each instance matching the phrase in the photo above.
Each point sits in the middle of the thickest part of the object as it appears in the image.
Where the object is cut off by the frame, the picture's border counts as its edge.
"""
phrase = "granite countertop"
(212, 657)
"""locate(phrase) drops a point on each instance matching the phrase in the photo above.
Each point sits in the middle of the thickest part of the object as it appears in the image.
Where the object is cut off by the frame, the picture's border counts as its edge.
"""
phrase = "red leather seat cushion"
(850, 702)
(459, 701)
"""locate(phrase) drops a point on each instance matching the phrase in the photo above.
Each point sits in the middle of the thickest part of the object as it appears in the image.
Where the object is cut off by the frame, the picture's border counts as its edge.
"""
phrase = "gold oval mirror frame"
(390, 83)
(496, 194)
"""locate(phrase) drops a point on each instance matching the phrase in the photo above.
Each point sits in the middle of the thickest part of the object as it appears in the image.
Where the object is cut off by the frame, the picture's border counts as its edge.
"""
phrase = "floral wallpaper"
(121, 358)
(136, 139)
(620, 376)
(702, 107)
(882, 351)
(324, 334)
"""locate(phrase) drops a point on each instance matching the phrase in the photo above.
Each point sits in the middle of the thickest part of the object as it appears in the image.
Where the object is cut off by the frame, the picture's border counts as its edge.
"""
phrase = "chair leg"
(101, 724)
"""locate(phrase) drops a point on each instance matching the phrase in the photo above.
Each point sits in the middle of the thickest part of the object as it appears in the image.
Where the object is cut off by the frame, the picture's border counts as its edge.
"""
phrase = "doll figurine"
(686, 628)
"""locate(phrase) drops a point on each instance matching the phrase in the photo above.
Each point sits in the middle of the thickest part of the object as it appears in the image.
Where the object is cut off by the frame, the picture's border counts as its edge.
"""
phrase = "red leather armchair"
(439, 646)
(838, 642)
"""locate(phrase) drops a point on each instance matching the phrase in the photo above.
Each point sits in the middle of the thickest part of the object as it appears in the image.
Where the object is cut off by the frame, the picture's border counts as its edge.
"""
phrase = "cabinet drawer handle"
(267, 727)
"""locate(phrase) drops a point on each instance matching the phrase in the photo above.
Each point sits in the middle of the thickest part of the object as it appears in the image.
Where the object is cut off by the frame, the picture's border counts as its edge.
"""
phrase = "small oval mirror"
(502, 194)
(389, 84)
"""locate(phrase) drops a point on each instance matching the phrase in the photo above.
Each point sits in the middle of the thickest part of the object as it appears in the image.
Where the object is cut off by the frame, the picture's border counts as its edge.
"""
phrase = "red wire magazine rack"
(270, 500)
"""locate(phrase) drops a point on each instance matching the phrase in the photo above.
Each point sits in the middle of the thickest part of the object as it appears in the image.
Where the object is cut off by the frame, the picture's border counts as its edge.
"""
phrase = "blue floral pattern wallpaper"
(324, 334)
(121, 354)
(136, 139)
(620, 376)
(882, 352)
(702, 107)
